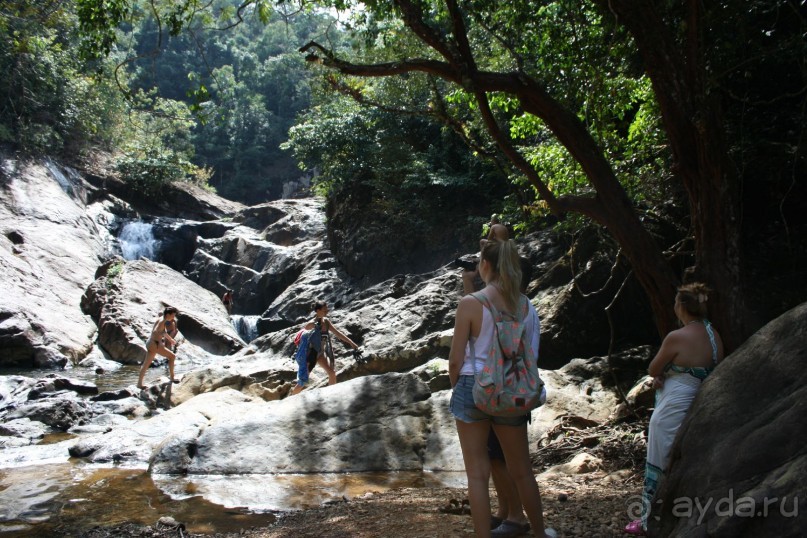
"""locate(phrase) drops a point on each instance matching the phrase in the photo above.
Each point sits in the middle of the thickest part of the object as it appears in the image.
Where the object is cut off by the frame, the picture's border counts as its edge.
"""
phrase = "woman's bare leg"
(167, 353)
(517, 455)
(151, 352)
(474, 443)
(509, 501)
(322, 360)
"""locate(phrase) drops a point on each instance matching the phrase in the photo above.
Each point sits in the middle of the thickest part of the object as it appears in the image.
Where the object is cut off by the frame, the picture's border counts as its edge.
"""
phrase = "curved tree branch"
(414, 18)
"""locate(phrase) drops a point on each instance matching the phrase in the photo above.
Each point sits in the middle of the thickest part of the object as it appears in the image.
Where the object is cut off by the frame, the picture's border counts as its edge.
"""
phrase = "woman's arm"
(462, 331)
(666, 354)
(339, 334)
(169, 338)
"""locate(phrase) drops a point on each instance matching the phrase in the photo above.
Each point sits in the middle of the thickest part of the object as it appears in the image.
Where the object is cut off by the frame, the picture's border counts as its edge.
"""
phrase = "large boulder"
(368, 424)
(739, 462)
(384, 422)
(571, 287)
(49, 249)
(178, 200)
(127, 297)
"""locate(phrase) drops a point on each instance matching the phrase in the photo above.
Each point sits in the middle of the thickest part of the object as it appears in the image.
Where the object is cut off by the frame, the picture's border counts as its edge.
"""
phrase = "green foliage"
(392, 168)
(49, 101)
(245, 86)
(98, 22)
(159, 148)
(150, 170)
(113, 273)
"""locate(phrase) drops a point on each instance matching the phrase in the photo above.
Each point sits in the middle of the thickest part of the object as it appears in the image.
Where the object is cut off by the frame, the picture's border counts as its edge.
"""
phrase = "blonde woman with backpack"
(473, 335)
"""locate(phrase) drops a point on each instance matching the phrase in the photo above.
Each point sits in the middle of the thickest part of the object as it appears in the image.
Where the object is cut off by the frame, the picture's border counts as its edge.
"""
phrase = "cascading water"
(137, 241)
(247, 327)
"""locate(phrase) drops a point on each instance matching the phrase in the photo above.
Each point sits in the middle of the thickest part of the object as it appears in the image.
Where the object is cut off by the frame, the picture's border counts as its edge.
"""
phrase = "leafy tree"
(398, 180)
(246, 85)
(560, 88)
(497, 54)
(49, 99)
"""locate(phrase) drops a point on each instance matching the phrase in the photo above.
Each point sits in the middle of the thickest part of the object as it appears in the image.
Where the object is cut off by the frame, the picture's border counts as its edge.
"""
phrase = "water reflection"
(66, 499)
(296, 491)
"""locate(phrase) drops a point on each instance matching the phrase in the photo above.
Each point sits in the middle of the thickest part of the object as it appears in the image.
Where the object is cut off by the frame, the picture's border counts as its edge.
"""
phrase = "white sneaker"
(551, 533)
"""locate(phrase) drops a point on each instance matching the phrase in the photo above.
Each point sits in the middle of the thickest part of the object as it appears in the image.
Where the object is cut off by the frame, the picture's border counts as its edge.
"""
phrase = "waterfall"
(137, 241)
(60, 178)
(247, 327)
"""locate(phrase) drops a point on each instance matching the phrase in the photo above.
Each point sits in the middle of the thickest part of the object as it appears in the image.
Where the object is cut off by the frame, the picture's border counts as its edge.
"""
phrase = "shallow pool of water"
(66, 498)
(44, 492)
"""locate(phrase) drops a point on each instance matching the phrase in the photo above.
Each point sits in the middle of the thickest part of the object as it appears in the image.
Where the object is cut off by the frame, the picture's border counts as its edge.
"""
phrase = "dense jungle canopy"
(679, 127)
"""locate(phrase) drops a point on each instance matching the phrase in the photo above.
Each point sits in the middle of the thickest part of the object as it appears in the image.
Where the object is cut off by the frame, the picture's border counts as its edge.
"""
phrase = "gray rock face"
(182, 200)
(372, 423)
(265, 252)
(49, 249)
(127, 298)
(571, 288)
(743, 446)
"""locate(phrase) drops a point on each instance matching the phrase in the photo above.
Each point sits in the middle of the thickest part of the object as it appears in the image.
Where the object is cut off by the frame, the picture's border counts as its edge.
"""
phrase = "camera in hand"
(468, 265)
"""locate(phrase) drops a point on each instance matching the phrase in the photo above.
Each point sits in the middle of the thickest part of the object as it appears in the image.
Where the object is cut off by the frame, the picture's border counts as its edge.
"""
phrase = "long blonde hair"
(503, 258)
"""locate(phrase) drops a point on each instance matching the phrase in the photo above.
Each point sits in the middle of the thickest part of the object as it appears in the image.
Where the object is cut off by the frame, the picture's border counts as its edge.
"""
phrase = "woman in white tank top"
(500, 269)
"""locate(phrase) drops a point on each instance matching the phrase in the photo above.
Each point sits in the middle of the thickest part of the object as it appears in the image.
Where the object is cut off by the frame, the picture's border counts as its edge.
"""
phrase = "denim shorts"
(463, 407)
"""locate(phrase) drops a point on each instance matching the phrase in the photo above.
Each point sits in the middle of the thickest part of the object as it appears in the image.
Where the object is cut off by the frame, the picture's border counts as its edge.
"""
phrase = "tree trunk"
(693, 124)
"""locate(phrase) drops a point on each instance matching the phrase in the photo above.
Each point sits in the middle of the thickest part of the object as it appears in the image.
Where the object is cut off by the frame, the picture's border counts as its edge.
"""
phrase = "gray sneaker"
(509, 529)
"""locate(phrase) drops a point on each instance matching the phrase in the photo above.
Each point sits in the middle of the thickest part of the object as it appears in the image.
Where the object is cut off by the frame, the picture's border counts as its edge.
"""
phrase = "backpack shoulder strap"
(482, 298)
(524, 307)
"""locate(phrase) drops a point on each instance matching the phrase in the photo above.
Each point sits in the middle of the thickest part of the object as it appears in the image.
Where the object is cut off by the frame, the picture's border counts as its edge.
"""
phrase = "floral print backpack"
(509, 384)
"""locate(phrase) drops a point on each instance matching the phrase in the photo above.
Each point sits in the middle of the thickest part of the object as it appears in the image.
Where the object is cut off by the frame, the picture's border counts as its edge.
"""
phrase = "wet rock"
(54, 383)
(102, 423)
(112, 395)
(59, 411)
(127, 407)
(136, 442)
(14, 390)
(24, 431)
(100, 362)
